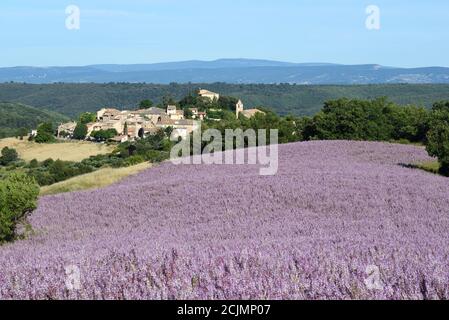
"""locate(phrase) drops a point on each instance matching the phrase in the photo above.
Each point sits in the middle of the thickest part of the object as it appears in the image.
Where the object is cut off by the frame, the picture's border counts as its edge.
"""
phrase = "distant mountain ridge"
(236, 71)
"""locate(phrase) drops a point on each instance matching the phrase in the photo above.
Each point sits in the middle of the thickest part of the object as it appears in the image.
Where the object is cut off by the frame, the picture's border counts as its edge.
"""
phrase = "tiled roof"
(150, 111)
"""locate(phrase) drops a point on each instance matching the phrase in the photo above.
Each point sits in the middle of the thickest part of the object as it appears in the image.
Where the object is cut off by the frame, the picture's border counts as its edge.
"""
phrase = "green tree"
(168, 100)
(18, 196)
(9, 155)
(188, 114)
(372, 120)
(45, 133)
(87, 117)
(22, 132)
(145, 104)
(80, 132)
(409, 123)
(188, 101)
(438, 135)
(104, 135)
(227, 103)
(125, 129)
(168, 131)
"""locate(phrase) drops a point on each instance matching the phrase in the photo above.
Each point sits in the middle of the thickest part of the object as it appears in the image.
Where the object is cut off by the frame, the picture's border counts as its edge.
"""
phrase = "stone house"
(175, 114)
(208, 94)
(66, 128)
(198, 114)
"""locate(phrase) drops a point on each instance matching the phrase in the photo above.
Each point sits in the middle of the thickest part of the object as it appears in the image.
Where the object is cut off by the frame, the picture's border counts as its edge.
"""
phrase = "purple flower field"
(224, 232)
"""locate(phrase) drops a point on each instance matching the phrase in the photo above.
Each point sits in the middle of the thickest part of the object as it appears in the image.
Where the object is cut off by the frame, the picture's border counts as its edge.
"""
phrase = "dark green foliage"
(154, 148)
(99, 161)
(189, 101)
(49, 171)
(438, 135)
(410, 123)
(131, 149)
(168, 100)
(188, 113)
(227, 103)
(8, 156)
(375, 120)
(17, 120)
(168, 131)
(21, 133)
(145, 104)
(33, 163)
(18, 196)
(104, 135)
(87, 117)
(80, 131)
(133, 160)
(305, 128)
(157, 156)
(284, 99)
(441, 106)
(45, 133)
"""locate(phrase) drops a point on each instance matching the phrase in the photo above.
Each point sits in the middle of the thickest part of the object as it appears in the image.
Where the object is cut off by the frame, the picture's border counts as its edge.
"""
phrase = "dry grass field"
(66, 151)
(98, 179)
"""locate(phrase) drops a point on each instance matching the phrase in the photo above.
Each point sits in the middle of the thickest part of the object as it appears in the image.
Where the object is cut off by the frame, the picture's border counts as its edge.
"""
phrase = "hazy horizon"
(222, 59)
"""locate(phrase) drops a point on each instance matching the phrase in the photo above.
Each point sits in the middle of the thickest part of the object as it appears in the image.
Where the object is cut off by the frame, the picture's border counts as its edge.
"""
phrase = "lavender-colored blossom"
(334, 210)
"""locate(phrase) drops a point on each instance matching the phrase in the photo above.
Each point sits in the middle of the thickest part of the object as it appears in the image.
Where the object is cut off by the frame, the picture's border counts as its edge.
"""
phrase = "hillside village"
(130, 125)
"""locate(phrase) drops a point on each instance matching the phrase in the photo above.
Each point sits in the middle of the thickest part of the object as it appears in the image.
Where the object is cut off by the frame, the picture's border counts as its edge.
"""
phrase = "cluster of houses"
(133, 124)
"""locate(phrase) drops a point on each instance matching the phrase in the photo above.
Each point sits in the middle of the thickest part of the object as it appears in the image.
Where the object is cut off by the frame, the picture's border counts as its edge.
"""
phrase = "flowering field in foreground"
(223, 232)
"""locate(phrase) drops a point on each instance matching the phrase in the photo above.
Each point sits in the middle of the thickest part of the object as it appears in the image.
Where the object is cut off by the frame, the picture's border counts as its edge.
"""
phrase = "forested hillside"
(72, 99)
(15, 115)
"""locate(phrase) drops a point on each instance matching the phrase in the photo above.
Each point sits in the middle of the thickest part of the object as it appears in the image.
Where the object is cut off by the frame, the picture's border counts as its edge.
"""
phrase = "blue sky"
(413, 33)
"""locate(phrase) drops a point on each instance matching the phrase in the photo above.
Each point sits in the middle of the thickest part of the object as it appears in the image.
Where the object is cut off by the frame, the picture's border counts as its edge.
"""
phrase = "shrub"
(45, 133)
(9, 155)
(157, 156)
(133, 160)
(33, 164)
(18, 196)
(438, 135)
(48, 162)
(50, 172)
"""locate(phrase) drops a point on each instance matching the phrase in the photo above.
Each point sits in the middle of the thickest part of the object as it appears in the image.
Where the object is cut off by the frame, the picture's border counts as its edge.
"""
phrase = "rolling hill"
(335, 212)
(15, 115)
(72, 99)
(229, 71)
